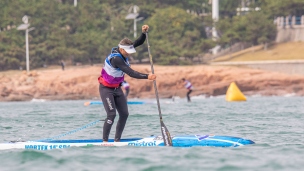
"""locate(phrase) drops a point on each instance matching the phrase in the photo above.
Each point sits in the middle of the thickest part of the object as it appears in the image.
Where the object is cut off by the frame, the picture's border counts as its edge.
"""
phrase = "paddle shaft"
(154, 81)
(165, 132)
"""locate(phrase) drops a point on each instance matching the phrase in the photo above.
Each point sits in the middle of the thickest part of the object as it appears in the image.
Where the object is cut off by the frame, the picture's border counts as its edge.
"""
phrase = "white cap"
(128, 48)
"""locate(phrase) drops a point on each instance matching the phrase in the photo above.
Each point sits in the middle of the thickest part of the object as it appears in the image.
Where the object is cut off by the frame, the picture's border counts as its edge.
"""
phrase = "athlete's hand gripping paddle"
(165, 132)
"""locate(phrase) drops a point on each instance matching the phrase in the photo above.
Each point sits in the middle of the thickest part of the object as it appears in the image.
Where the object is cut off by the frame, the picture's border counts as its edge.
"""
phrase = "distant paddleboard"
(99, 103)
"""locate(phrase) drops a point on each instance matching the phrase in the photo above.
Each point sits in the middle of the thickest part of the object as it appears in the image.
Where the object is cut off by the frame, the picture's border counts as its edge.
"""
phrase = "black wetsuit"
(188, 95)
(114, 99)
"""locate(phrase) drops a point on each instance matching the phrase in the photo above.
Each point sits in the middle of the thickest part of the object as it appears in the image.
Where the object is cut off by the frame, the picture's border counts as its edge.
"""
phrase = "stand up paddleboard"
(177, 141)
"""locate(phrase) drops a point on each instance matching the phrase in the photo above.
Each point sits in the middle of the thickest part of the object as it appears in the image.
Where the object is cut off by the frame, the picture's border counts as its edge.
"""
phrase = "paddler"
(110, 80)
(187, 84)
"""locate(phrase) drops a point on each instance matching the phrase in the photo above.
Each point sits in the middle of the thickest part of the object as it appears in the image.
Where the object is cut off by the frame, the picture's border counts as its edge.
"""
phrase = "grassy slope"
(283, 51)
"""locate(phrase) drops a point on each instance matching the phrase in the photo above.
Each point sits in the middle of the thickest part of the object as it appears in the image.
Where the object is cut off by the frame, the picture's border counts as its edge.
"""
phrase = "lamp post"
(25, 27)
(215, 17)
(133, 16)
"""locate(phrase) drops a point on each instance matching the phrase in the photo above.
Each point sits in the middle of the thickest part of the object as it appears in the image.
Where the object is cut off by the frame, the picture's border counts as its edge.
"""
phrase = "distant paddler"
(112, 76)
(187, 84)
(126, 86)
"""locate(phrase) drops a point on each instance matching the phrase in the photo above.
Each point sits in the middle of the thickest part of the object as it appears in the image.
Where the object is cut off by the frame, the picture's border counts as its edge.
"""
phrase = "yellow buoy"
(234, 93)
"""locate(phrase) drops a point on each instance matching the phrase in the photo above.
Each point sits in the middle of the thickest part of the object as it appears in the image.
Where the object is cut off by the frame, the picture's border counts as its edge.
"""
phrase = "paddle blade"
(166, 134)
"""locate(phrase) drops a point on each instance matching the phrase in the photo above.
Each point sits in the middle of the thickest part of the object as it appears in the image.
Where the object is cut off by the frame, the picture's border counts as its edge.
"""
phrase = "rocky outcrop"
(81, 82)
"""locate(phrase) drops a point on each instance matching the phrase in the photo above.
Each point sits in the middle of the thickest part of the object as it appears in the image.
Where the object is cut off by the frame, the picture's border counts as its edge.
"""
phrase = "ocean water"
(275, 124)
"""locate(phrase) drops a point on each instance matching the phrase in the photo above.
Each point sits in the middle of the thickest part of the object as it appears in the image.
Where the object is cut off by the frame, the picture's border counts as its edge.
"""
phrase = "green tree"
(87, 33)
(247, 28)
(174, 34)
(275, 8)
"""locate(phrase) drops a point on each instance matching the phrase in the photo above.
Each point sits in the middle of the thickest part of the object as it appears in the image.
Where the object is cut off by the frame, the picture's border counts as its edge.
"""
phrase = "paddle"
(165, 132)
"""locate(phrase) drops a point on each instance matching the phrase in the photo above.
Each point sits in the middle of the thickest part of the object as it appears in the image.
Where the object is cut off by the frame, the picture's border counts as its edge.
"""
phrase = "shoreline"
(80, 82)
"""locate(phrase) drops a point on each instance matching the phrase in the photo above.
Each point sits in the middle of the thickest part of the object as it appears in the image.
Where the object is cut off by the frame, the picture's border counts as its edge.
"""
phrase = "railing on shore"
(289, 21)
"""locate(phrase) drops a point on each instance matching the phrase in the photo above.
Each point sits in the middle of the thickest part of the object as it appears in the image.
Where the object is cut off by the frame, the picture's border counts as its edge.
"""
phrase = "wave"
(38, 100)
